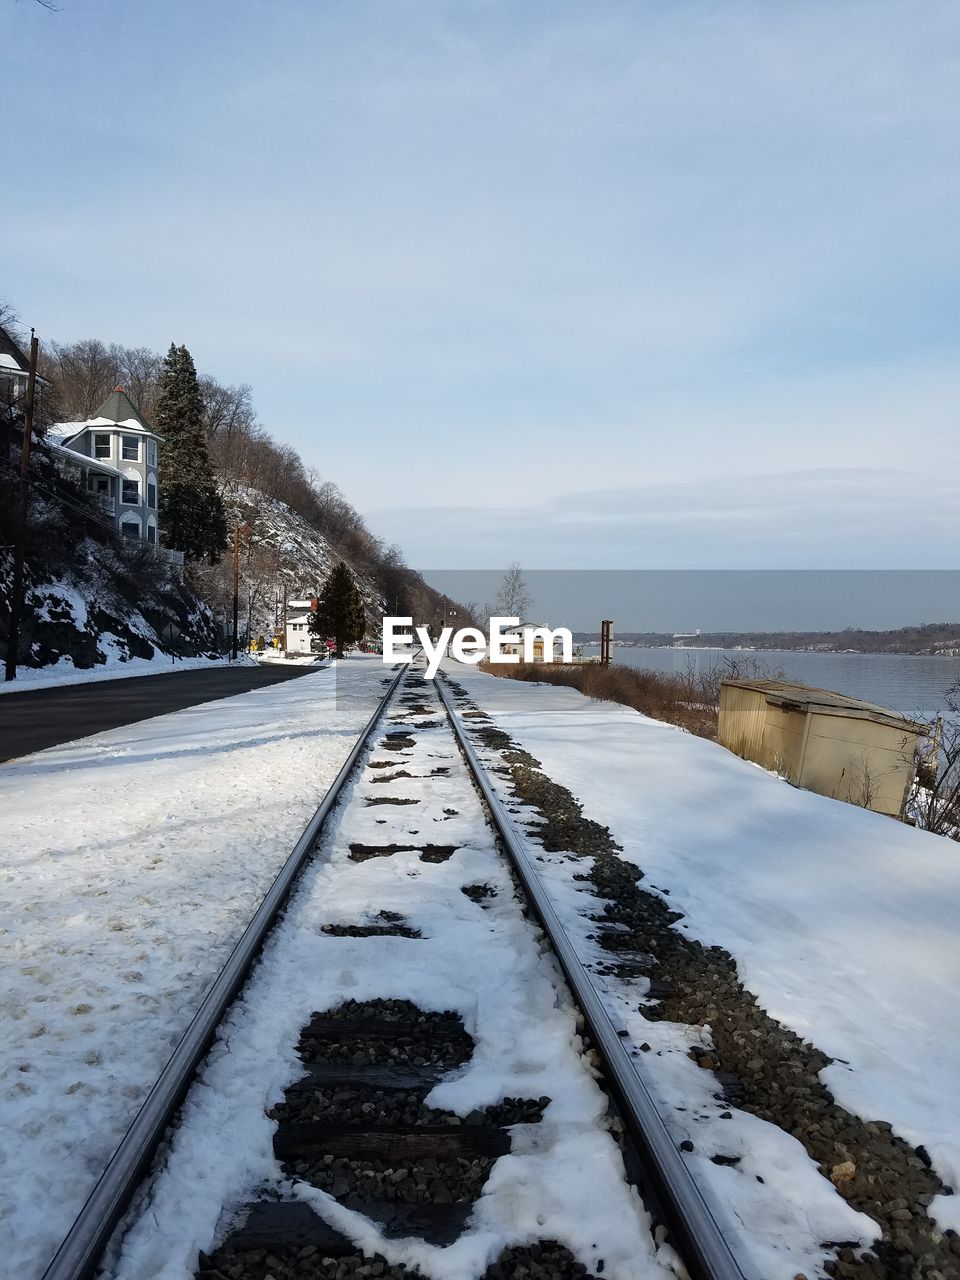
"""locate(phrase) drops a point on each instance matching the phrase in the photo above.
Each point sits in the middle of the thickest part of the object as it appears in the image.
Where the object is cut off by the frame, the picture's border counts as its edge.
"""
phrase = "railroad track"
(402, 895)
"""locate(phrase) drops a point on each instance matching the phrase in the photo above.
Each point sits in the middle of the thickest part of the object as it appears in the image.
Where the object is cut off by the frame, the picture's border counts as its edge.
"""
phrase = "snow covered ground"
(563, 1180)
(131, 860)
(129, 863)
(844, 923)
(64, 672)
(273, 658)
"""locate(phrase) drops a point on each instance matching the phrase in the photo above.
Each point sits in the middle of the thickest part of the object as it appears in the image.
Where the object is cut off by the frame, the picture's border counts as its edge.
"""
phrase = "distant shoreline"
(931, 640)
(721, 648)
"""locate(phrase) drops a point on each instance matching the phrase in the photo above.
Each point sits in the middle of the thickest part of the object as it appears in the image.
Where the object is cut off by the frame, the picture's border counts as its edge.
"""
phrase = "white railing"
(170, 557)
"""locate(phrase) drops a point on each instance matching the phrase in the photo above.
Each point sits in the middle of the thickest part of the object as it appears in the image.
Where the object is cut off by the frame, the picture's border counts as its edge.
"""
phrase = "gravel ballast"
(761, 1066)
(392, 1035)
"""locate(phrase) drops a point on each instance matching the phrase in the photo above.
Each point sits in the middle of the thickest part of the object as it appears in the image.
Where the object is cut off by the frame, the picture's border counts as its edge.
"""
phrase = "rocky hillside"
(280, 553)
(91, 600)
(100, 603)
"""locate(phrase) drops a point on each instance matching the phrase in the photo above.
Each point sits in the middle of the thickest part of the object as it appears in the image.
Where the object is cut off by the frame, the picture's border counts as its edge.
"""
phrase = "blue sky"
(618, 285)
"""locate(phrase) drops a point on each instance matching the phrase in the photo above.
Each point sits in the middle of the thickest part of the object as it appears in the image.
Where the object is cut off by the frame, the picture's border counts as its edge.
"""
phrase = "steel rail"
(699, 1230)
(81, 1249)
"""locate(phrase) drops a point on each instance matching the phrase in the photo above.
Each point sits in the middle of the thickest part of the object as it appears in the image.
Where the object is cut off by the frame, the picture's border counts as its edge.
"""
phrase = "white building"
(115, 455)
(299, 637)
(531, 635)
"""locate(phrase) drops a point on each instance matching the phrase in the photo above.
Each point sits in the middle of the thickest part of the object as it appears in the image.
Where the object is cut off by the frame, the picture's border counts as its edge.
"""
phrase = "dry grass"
(678, 699)
(690, 699)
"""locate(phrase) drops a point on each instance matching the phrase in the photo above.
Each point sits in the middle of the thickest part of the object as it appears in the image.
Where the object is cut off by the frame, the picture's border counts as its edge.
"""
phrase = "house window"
(101, 446)
(129, 529)
(131, 492)
(151, 533)
(152, 452)
(151, 495)
(130, 449)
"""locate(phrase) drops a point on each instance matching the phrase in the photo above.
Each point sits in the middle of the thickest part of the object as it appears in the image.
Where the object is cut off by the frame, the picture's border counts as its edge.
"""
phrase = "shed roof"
(827, 702)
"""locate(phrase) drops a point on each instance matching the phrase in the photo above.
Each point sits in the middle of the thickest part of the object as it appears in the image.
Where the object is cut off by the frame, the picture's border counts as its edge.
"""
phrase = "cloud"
(826, 519)
(518, 250)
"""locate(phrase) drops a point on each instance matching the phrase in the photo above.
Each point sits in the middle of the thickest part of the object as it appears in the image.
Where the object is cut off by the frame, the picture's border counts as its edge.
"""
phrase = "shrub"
(689, 699)
(677, 699)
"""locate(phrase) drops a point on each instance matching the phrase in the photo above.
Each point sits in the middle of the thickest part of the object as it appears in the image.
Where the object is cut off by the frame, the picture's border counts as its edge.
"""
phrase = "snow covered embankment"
(842, 922)
(108, 607)
(130, 863)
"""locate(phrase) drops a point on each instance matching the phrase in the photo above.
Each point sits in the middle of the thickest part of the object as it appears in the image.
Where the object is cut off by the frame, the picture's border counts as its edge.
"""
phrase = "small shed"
(824, 741)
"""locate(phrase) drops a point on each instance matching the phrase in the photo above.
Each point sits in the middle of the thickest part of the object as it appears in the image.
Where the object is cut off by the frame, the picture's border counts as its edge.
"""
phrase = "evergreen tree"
(192, 516)
(339, 613)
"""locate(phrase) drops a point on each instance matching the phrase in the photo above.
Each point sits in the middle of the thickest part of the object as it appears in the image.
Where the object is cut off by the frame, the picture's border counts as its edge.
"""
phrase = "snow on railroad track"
(130, 863)
(411, 846)
(843, 923)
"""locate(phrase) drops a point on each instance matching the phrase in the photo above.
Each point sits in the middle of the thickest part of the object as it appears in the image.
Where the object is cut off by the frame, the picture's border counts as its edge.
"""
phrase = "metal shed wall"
(828, 743)
(743, 714)
(858, 760)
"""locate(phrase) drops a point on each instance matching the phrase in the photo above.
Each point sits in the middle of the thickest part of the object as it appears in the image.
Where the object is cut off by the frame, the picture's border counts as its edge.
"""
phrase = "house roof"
(119, 408)
(11, 357)
(131, 426)
(826, 701)
(61, 431)
(92, 464)
(13, 361)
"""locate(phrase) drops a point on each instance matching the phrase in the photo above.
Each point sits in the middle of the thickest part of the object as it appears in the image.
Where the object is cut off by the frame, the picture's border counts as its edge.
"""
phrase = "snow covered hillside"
(280, 553)
(102, 604)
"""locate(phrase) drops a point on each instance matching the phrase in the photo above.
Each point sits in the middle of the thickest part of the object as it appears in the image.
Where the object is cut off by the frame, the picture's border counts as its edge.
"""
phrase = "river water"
(911, 685)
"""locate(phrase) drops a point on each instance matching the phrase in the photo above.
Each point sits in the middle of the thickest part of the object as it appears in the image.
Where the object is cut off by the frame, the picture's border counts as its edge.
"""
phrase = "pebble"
(778, 1073)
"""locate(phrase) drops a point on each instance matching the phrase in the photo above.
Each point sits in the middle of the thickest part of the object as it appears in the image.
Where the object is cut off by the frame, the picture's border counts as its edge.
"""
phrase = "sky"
(611, 285)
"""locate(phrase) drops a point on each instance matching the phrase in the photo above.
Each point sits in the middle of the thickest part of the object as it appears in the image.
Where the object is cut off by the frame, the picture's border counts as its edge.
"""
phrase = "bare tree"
(83, 372)
(139, 369)
(935, 797)
(514, 599)
(10, 319)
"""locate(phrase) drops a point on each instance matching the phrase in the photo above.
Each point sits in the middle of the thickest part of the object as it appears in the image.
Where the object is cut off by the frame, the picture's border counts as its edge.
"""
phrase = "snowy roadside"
(64, 672)
(270, 659)
(845, 924)
(130, 862)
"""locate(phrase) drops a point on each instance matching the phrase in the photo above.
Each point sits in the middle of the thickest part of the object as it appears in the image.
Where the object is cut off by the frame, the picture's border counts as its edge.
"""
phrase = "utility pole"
(606, 635)
(20, 545)
(236, 590)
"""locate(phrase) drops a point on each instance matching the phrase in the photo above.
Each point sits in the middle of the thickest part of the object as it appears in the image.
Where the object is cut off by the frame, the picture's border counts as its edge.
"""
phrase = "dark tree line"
(929, 637)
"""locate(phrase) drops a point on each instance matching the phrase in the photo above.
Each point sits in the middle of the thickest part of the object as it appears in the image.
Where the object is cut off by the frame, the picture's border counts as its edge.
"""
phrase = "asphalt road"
(40, 718)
